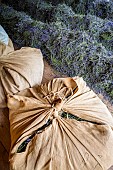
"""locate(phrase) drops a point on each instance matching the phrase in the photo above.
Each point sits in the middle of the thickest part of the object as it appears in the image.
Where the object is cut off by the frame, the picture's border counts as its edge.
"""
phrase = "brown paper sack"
(60, 125)
(19, 70)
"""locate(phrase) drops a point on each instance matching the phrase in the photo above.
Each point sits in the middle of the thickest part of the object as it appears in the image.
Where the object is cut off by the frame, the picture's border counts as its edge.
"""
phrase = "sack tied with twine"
(60, 125)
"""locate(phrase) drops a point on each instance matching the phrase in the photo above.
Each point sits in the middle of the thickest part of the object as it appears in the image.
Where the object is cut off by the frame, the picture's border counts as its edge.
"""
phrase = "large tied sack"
(19, 70)
(60, 125)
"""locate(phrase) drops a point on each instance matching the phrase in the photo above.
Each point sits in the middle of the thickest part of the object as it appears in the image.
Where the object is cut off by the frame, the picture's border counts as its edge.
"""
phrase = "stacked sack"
(18, 69)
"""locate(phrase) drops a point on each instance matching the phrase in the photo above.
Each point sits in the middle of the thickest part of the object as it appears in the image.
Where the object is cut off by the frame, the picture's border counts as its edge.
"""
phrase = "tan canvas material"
(5, 49)
(56, 142)
(19, 70)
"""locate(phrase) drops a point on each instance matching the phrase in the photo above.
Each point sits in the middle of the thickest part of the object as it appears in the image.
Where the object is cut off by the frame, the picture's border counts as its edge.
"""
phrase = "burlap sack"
(19, 70)
(41, 139)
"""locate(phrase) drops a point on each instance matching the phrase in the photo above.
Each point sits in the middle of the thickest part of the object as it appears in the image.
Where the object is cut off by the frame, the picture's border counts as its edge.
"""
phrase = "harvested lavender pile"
(76, 37)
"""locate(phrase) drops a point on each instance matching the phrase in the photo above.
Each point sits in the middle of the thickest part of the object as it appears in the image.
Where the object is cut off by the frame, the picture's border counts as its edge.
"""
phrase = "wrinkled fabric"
(64, 144)
(19, 70)
(5, 49)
